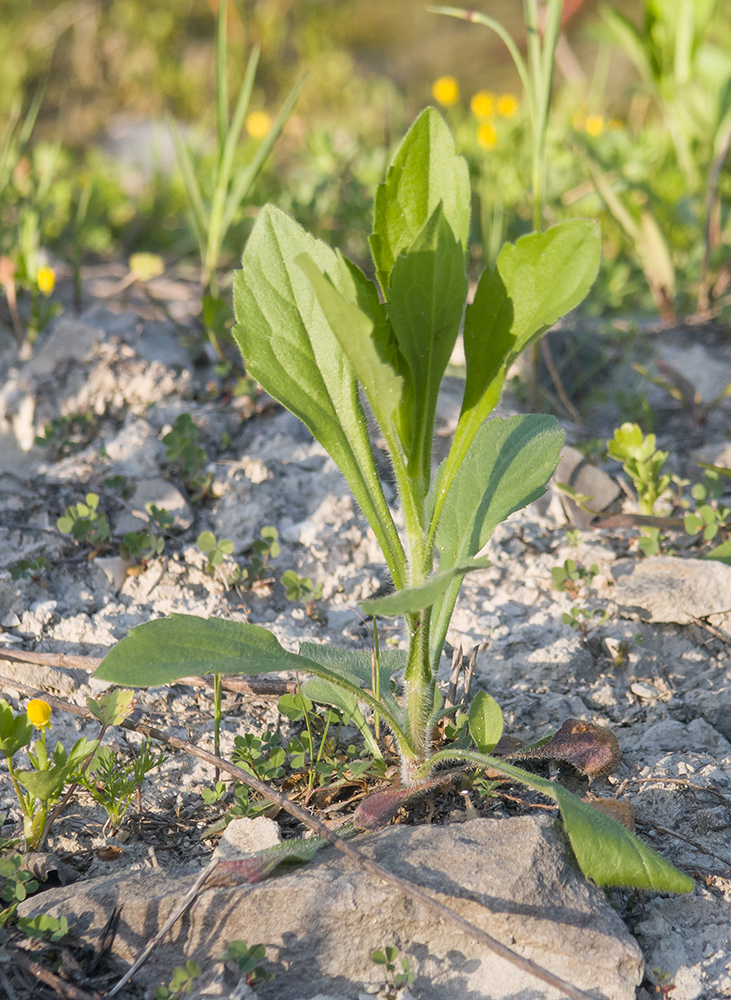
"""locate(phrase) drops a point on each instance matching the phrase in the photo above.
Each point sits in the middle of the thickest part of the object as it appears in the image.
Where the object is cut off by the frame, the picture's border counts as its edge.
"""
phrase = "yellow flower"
(482, 104)
(615, 124)
(258, 124)
(39, 713)
(445, 90)
(594, 125)
(487, 136)
(507, 105)
(46, 279)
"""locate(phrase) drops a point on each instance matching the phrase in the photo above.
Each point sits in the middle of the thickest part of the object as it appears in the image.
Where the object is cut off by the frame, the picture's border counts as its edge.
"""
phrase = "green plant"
(44, 926)
(34, 568)
(68, 434)
(182, 446)
(315, 333)
(542, 27)
(643, 463)
(301, 588)
(40, 787)
(17, 884)
(397, 980)
(141, 546)
(214, 550)
(247, 959)
(86, 523)
(113, 781)
(181, 982)
(566, 577)
(230, 186)
(579, 618)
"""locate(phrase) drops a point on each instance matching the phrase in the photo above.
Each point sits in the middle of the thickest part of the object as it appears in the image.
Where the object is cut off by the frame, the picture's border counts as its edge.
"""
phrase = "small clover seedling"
(397, 980)
(301, 588)
(141, 546)
(327, 342)
(183, 448)
(33, 568)
(181, 984)
(570, 575)
(86, 523)
(247, 958)
(214, 550)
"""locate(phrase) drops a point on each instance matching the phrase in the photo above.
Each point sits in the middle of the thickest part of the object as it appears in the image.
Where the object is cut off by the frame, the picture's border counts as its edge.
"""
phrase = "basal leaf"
(354, 330)
(412, 599)
(486, 722)
(357, 665)
(290, 349)
(426, 170)
(606, 851)
(166, 649)
(326, 693)
(425, 303)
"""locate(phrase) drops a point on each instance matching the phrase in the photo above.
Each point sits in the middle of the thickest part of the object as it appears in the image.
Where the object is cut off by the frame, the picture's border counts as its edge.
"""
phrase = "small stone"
(10, 620)
(668, 589)
(114, 568)
(646, 691)
(583, 477)
(247, 836)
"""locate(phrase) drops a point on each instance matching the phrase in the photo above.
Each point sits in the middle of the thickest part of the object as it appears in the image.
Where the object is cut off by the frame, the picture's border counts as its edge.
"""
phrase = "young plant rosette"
(316, 334)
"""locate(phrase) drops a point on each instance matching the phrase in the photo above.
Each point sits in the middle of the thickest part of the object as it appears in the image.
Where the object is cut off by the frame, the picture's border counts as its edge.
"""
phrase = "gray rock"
(583, 477)
(668, 589)
(514, 878)
(161, 493)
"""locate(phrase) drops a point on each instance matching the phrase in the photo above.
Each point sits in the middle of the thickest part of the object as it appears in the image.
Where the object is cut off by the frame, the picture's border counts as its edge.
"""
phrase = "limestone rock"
(667, 589)
(574, 470)
(247, 836)
(514, 878)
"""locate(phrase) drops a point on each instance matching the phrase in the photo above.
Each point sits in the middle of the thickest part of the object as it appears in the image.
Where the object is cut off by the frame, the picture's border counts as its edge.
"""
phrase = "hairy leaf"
(290, 349)
(412, 599)
(426, 170)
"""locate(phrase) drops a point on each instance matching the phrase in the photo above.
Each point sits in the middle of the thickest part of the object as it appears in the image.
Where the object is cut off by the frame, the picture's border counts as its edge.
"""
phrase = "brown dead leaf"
(615, 809)
(591, 749)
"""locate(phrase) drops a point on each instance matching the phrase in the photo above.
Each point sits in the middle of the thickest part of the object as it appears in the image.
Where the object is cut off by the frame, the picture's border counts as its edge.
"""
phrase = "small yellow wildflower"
(487, 136)
(507, 105)
(482, 104)
(46, 279)
(445, 91)
(615, 124)
(258, 124)
(594, 125)
(39, 713)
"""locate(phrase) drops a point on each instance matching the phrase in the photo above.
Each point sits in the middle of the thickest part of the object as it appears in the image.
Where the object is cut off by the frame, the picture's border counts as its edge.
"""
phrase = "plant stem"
(217, 697)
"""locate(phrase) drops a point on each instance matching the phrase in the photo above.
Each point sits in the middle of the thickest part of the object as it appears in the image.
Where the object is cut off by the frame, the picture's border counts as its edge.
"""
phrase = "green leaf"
(15, 730)
(538, 279)
(357, 666)
(325, 693)
(486, 722)
(112, 707)
(354, 330)
(722, 552)
(166, 649)
(548, 274)
(606, 851)
(506, 467)
(426, 170)
(412, 599)
(426, 299)
(289, 348)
